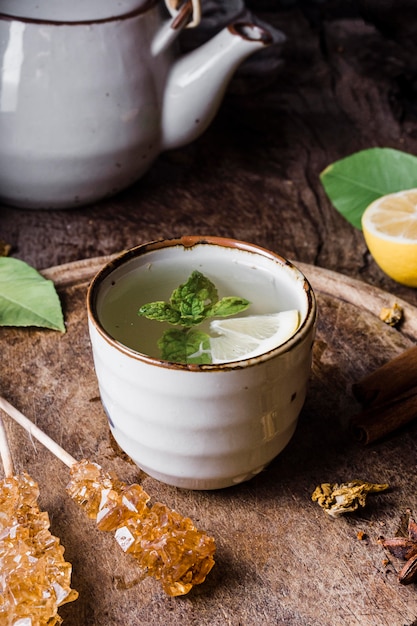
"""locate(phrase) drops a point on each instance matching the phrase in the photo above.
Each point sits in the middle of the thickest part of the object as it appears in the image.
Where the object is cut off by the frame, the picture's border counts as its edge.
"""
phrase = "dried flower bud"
(391, 315)
(337, 499)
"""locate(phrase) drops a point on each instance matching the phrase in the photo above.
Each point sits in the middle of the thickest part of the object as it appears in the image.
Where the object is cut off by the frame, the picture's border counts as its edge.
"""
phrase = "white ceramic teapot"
(92, 92)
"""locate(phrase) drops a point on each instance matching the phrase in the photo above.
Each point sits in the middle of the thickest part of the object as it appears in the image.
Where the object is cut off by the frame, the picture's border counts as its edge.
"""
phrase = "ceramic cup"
(199, 426)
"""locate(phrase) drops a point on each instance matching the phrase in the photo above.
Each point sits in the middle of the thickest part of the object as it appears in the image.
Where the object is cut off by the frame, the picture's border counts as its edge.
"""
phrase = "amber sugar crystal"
(35, 579)
(166, 545)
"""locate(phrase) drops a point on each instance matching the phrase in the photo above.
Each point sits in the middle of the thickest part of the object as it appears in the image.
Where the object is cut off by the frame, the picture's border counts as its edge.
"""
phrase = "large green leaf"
(357, 180)
(27, 298)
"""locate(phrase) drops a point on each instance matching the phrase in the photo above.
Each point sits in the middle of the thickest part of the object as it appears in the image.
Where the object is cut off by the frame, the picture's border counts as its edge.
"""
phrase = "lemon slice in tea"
(241, 338)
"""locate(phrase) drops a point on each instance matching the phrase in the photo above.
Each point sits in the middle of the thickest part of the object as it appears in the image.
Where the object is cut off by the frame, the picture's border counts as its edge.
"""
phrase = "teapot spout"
(198, 80)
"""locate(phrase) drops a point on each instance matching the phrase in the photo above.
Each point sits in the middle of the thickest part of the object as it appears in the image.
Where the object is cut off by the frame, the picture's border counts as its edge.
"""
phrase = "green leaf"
(228, 306)
(190, 304)
(357, 180)
(161, 312)
(185, 346)
(194, 298)
(27, 298)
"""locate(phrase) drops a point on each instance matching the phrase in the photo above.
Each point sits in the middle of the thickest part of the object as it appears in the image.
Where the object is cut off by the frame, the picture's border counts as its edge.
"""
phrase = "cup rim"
(190, 241)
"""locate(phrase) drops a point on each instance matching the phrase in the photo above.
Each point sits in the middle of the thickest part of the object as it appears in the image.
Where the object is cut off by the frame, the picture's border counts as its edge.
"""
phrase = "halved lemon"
(389, 226)
(241, 338)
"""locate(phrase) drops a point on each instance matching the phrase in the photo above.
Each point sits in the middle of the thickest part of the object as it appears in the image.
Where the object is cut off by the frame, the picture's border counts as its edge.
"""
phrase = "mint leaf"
(160, 311)
(228, 306)
(194, 298)
(27, 298)
(190, 304)
(185, 346)
(354, 182)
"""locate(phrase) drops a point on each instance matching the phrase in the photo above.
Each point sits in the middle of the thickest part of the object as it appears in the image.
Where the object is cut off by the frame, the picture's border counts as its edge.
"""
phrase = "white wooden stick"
(6, 457)
(31, 428)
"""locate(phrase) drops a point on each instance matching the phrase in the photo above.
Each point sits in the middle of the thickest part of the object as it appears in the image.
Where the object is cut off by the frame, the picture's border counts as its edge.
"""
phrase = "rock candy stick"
(31, 428)
(5, 454)
(34, 577)
(166, 545)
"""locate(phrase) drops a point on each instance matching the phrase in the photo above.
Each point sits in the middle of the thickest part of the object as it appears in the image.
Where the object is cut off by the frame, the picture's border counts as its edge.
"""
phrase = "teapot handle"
(182, 10)
(185, 14)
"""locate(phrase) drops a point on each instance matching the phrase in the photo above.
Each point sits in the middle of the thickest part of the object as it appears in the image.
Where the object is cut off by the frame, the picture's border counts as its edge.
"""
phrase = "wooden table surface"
(343, 85)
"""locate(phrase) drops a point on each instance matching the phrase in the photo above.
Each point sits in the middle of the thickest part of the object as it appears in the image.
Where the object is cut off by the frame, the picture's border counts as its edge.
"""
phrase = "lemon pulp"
(389, 227)
(246, 337)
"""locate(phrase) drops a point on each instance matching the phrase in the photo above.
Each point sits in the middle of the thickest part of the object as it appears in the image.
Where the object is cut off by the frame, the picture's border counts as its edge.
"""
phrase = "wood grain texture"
(280, 559)
(345, 84)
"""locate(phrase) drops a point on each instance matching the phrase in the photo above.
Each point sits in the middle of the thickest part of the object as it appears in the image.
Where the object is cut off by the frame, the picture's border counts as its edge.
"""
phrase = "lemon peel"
(389, 226)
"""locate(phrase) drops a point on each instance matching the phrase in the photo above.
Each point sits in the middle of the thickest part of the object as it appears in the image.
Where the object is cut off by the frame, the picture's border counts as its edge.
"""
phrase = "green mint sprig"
(189, 305)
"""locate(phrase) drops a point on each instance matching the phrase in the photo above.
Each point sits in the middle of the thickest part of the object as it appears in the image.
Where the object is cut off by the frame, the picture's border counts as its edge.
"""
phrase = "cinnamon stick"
(389, 381)
(388, 397)
(380, 420)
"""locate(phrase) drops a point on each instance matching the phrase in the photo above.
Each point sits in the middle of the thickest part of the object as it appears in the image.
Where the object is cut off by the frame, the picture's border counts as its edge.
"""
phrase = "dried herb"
(338, 499)
(391, 315)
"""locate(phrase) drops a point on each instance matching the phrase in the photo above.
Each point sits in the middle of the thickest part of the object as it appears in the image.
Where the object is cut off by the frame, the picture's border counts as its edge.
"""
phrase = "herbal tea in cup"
(202, 348)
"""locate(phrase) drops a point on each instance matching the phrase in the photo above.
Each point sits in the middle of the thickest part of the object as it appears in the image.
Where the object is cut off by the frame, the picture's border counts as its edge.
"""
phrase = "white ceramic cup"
(199, 426)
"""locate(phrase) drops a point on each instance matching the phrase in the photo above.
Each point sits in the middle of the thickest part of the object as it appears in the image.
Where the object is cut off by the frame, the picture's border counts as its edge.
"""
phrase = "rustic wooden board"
(280, 559)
